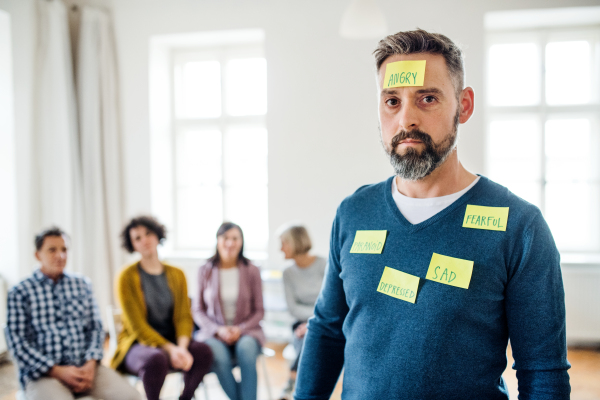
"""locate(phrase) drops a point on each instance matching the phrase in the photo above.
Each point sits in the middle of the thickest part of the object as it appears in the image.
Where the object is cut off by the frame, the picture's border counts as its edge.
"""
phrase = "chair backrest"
(115, 326)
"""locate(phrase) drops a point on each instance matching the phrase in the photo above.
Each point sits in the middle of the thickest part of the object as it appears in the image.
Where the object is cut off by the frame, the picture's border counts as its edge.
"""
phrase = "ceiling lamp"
(363, 19)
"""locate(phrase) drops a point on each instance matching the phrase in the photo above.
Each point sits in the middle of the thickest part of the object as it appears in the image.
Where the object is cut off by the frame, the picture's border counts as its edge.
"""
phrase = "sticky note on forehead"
(404, 73)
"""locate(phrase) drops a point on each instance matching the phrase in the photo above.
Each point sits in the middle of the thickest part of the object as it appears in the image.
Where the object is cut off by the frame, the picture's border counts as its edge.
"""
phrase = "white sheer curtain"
(56, 143)
(97, 94)
(78, 142)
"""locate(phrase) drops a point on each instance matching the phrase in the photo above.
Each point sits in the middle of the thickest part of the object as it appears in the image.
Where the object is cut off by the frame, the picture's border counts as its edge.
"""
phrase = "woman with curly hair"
(157, 321)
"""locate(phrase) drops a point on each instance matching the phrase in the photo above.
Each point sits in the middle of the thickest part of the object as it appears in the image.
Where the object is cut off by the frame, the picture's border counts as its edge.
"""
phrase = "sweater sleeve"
(182, 315)
(31, 361)
(258, 311)
(134, 311)
(535, 309)
(323, 353)
(199, 308)
(300, 311)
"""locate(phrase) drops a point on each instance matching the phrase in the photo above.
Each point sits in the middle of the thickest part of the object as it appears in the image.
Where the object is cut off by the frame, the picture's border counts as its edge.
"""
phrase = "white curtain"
(97, 94)
(78, 142)
(56, 145)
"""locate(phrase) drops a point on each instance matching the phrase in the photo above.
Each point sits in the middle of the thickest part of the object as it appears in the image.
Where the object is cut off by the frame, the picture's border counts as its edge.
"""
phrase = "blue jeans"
(243, 353)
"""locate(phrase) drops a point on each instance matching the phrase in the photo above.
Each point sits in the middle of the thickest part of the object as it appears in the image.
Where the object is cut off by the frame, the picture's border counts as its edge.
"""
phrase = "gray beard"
(414, 166)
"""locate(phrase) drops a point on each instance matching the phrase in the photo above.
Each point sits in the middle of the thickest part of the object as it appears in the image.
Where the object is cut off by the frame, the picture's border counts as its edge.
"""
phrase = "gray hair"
(297, 237)
(420, 41)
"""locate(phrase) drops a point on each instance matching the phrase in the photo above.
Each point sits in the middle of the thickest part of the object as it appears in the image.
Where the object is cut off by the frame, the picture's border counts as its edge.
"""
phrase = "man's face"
(53, 256)
(419, 123)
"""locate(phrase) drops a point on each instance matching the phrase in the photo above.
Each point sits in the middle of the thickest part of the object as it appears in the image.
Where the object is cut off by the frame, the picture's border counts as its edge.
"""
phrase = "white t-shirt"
(229, 286)
(419, 210)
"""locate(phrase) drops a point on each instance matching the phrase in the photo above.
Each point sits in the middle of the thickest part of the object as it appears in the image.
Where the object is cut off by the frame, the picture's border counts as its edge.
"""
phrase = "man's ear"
(37, 256)
(467, 104)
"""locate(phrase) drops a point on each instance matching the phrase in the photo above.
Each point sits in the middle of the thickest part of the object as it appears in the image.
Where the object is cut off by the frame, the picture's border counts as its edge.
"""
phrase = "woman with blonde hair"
(302, 283)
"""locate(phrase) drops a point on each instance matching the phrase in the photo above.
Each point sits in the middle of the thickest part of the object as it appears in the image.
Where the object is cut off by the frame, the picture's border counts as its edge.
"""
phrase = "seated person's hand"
(229, 334)
(89, 371)
(74, 377)
(301, 330)
(235, 333)
(180, 358)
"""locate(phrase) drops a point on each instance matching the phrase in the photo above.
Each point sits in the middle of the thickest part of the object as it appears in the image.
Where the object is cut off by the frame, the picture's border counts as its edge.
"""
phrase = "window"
(218, 144)
(543, 126)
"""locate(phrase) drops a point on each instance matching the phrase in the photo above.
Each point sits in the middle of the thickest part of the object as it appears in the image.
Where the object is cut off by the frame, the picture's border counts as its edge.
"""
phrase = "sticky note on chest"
(399, 284)
(404, 73)
(490, 218)
(450, 271)
(368, 242)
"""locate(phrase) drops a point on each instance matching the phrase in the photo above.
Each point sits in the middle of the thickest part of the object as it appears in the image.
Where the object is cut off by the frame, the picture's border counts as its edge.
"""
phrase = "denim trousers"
(243, 353)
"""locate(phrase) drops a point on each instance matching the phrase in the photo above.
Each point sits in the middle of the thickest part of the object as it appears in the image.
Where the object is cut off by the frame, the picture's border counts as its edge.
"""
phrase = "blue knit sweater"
(451, 343)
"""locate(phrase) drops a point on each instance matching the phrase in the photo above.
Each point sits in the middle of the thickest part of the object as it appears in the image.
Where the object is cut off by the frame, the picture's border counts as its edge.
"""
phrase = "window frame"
(543, 111)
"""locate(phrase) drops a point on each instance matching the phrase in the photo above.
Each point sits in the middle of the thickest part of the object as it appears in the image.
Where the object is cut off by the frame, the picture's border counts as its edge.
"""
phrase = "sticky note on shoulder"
(368, 242)
(404, 73)
(450, 271)
(399, 284)
(490, 218)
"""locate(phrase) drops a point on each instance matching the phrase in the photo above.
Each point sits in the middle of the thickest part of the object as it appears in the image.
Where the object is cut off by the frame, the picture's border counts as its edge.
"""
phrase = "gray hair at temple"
(420, 41)
(296, 236)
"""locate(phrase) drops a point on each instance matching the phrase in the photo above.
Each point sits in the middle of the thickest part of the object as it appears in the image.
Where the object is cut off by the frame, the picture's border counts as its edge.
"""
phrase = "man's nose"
(408, 117)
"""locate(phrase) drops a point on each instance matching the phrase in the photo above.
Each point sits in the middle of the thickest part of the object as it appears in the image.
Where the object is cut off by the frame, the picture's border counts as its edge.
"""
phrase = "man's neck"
(53, 277)
(448, 178)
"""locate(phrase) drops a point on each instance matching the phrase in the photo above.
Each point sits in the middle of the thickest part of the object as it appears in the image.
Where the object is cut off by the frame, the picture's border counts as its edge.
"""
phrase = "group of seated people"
(55, 334)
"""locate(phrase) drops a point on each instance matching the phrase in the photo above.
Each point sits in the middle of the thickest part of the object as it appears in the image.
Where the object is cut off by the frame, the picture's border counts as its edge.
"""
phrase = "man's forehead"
(55, 241)
(436, 71)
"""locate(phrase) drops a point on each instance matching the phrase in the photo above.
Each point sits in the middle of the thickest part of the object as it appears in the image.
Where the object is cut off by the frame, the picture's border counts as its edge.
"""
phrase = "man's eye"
(428, 99)
(391, 102)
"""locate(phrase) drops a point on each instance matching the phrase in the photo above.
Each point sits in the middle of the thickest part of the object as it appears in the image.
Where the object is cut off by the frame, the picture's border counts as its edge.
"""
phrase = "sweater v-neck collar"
(404, 223)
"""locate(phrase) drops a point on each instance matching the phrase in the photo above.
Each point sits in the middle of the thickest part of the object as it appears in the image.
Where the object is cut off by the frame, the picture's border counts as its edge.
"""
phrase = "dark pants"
(152, 366)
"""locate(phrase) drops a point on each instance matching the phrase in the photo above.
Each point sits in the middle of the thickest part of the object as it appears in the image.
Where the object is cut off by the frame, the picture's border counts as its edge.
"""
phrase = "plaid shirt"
(52, 324)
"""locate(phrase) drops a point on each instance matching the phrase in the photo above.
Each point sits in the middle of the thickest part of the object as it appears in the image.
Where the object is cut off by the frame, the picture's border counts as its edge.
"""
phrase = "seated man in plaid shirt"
(55, 332)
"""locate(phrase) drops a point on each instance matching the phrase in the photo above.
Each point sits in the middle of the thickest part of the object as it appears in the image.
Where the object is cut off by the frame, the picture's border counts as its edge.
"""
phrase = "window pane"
(248, 207)
(199, 214)
(514, 150)
(198, 158)
(246, 86)
(528, 191)
(572, 212)
(199, 90)
(246, 157)
(514, 74)
(568, 150)
(568, 72)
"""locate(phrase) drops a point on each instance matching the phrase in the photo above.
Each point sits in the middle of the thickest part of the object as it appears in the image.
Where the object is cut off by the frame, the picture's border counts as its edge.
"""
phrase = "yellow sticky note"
(368, 242)
(450, 271)
(404, 73)
(399, 284)
(490, 218)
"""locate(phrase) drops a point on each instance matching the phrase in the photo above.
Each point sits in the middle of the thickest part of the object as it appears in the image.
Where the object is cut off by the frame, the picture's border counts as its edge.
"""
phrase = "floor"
(585, 382)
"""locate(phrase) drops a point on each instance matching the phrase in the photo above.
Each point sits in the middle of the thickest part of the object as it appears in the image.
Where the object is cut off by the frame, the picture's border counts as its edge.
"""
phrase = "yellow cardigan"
(135, 324)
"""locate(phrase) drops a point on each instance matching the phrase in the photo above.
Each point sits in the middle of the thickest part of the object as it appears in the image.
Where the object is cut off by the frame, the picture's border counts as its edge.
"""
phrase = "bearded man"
(432, 271)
